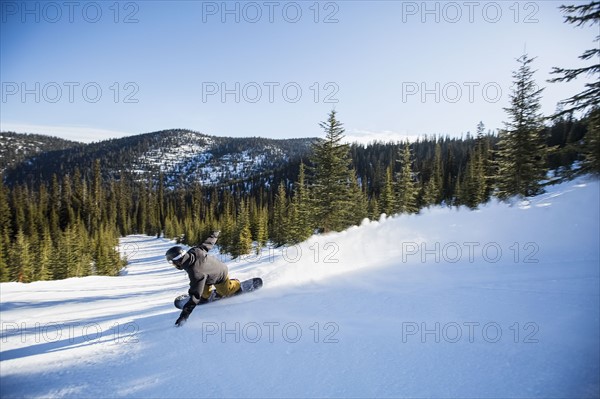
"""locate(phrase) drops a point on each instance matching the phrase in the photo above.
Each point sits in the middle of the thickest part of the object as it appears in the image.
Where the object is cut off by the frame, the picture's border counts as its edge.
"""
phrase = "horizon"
(384, 137)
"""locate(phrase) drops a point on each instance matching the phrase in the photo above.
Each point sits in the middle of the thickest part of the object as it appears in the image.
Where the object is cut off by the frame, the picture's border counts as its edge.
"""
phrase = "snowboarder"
(203, 271)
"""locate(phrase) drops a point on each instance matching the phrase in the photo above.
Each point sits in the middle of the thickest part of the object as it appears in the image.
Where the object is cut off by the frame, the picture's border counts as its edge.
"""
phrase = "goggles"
(176, 260)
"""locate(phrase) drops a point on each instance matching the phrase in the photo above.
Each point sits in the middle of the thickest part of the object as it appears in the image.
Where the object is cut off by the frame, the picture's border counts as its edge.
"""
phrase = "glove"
(181, 321)
(185, 313)
(216, 233)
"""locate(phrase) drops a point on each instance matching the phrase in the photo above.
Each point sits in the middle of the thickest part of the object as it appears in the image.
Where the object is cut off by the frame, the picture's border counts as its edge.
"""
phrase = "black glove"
(181, 321)
(185, 313)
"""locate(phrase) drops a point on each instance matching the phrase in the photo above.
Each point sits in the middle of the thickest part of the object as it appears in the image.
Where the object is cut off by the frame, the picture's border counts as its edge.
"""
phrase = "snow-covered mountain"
(499, 302)
(183, 156)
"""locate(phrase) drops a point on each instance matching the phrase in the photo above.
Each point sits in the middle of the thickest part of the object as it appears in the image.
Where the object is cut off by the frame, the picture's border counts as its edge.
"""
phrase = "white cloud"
(76, 133)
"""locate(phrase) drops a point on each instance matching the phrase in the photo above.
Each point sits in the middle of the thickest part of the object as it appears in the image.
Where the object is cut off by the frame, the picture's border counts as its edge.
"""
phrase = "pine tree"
(470, 192)
(374, 211)
(105, 257)
(581, 15)
(4, 258)
(387, 199)
(79, 193)
(521, 150)
(406, 189)
(44, 257)
(360, 205)
(589, 99)
(261, 234)
(82, 254)
(485, 170)
(331, 186)
(592, 143)
(54, 211)
(141, 211)
(433, 188)
(5, 232)
(160, 205)
(227, 223)
(243, 243)
(96, 198)
(475, 188)
(123, 205)
(66, 212)
(21, 259)
(301, 223)
(280, 226)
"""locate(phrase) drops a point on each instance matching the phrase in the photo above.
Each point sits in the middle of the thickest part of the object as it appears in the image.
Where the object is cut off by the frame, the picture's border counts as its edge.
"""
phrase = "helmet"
(175, 256)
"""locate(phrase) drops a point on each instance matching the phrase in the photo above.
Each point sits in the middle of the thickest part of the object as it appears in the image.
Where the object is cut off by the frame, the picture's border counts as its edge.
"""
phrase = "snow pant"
(226, 288)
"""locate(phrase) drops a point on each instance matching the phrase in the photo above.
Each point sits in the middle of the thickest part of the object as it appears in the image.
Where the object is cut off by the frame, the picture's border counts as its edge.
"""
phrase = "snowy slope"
(500, 302)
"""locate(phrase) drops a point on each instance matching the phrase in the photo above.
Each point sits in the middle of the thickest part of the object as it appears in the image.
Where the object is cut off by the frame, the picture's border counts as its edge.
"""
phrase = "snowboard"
(246, 286)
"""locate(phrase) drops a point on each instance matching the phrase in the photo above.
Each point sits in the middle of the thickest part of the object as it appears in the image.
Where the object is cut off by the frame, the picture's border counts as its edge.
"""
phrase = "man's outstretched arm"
(210, 241)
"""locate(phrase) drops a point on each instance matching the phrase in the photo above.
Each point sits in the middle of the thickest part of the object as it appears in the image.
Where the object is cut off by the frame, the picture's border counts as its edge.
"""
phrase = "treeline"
(70, 227)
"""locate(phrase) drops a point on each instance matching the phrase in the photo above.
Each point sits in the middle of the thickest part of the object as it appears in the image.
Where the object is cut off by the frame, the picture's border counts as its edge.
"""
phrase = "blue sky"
(89, 71)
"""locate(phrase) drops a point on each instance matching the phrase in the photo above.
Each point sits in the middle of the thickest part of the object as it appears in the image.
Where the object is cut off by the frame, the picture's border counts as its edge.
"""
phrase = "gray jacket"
(203, 269)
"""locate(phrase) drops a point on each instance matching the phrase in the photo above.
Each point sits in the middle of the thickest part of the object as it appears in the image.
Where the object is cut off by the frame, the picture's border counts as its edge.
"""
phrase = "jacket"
(202, 269)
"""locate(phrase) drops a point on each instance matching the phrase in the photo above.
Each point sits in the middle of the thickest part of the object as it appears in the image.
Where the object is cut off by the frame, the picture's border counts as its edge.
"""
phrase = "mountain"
(183, 156)
(16, 148)
(451, 303)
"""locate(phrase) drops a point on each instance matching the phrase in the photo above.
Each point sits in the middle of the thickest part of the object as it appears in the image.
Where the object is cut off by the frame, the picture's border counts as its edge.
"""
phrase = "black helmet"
(175, 256)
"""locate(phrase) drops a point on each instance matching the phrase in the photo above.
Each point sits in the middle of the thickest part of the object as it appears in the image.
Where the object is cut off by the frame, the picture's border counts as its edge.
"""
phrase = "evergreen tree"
(123, 205)
(4, 258)
(243, 242)
(160, 205)
(66, 212)
(280, 226)
(581, 15)
(301, 223)
(141, 210)
(79, 193)
(374, 211)
(470, 188)
(521, 152)
(331, 186)
(360, 205)
(54, 211)
(5, 233)
(96, 199)
(387, 199)
(227, 223)
(592, 143)
(261, 230)
(21, 258)
(406, 189)
(589, 99)
(44, 258)
(433, 188)
(475, 187)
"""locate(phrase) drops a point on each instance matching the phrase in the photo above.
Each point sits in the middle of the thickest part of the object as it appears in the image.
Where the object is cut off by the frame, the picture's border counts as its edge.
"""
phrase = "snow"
(498, 302)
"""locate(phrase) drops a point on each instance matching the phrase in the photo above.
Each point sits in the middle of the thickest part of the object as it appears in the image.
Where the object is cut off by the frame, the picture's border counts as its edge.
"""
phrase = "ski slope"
(498, 302)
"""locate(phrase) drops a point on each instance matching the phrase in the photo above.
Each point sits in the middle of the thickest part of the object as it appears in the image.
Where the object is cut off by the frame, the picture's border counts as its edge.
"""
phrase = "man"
(203, 271)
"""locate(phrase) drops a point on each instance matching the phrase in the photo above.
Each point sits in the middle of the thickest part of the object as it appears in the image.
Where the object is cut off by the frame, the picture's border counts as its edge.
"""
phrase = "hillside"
(499, 302)
(183, 156)
(16, 147)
